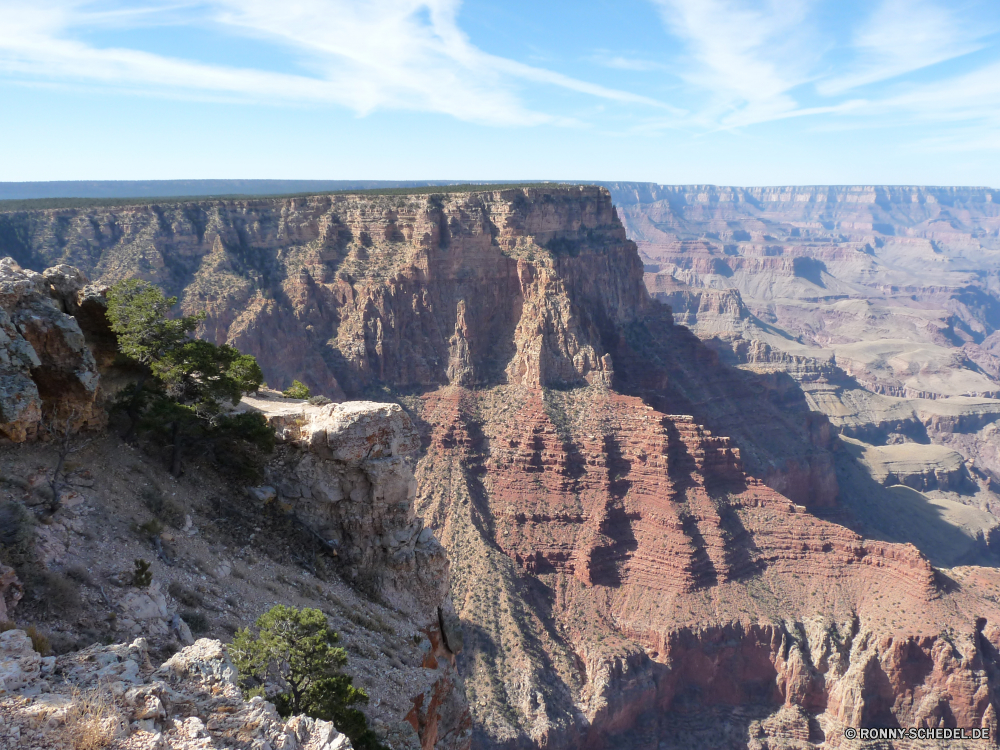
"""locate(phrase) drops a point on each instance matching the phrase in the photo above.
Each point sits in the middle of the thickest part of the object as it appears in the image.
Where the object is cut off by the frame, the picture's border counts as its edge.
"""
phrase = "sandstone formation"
(190, 702)
(663, 583)
(529, 286)
(622, 562)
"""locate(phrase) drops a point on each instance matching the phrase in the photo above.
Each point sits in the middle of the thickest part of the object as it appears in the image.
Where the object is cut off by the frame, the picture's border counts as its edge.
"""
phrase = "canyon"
(883, 303)
(683, 505)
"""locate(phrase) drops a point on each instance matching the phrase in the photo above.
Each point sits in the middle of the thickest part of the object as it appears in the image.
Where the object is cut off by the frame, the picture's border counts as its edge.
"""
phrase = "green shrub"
(296, 650)
(142, 576)
(296, 390)
(319, 401)
(39, 641)
(58, 592)
(181, 404)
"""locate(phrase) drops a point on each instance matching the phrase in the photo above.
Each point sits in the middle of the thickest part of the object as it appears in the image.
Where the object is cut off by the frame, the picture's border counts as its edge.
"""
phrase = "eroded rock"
(48, 375)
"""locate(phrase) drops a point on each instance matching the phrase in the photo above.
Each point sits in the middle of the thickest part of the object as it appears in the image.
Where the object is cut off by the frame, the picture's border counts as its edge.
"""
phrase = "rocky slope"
(341, 535)
(113, 696)
(626, 576)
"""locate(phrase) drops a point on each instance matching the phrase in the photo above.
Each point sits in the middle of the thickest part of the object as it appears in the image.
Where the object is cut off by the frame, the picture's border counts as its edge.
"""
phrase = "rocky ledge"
(114, 696)
(340, 470)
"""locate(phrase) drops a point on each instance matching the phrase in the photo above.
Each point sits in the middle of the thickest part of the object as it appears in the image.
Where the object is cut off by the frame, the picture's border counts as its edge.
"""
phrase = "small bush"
(319, 401)
(39, 641)
(60, 593)
(93, 719)
(79, 574)
(196, 620)
(17, 530)
(296, 390)
(152, 528)
(164, 508)
(142, 576)
(6, 625)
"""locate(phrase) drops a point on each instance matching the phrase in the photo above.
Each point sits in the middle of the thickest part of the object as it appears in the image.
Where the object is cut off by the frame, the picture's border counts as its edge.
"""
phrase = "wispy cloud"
(747, 55)
(901, 36)
(755, 61)
(382, 54)
(621, 62)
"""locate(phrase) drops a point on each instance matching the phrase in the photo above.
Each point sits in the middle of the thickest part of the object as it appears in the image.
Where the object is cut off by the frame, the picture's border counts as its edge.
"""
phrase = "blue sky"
(676, 91)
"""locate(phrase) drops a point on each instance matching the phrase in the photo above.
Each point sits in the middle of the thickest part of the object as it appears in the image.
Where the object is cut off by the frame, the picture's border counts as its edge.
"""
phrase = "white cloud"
(381, 54)
(901, 36)
(747, 55)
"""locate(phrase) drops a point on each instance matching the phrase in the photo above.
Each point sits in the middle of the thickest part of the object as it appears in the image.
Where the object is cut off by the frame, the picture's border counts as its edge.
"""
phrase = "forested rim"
(40, 204)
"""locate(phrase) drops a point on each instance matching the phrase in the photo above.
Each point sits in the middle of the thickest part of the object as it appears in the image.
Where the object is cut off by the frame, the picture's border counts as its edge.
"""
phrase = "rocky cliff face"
(533, 287)
(642, 585)
(607, 489)
(113, 696)
(342, 472)
(49, 380)
(339, 473)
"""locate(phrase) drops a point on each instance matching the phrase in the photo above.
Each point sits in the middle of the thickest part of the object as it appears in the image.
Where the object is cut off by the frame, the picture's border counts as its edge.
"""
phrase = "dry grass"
(93, 720)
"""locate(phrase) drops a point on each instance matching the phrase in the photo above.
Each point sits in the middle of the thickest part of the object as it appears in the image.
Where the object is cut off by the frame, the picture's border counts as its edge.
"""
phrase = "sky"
(735, 92)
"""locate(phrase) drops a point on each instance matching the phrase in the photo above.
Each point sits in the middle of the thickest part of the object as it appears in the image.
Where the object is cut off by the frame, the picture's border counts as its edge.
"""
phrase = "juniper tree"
(186, 384)
(296, 651)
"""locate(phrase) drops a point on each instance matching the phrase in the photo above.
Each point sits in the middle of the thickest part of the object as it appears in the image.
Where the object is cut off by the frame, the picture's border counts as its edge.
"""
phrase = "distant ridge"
(198, 188)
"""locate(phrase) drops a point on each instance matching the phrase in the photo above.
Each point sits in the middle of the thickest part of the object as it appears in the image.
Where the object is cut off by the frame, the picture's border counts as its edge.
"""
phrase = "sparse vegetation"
(93, 719)
(196, 620)
(296, 650)
(165, 509)
(39, 641)
(142, 576)
(184, 595)
(17, 530)
(319, 401)
(296, 390)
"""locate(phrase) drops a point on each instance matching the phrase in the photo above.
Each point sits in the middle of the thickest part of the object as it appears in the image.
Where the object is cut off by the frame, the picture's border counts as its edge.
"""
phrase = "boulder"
(20, 664)
(206, 660)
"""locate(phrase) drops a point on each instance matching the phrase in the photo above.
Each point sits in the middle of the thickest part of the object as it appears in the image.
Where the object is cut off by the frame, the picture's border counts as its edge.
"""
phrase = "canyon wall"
(643, 538)
(882, 303)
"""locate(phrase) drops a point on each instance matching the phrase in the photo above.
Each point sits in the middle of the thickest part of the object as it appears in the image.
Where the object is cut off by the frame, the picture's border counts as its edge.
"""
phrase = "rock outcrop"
(536, 287)
(114, 692)
(341, 471)
(49, 380)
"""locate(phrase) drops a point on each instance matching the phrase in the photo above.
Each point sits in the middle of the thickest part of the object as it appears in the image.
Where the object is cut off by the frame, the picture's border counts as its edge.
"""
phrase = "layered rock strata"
(530, 286)
(882, 303)
(638, 576)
